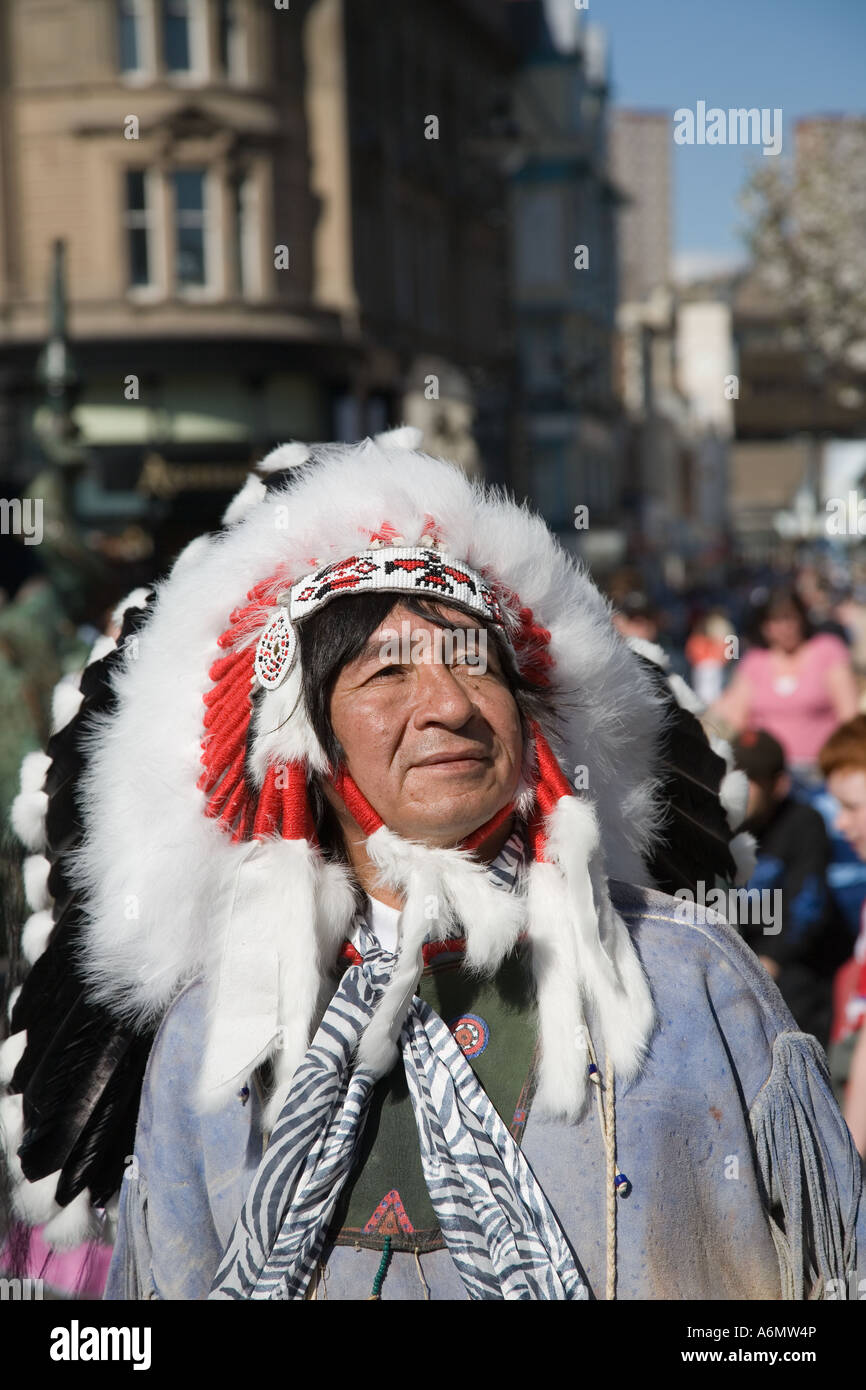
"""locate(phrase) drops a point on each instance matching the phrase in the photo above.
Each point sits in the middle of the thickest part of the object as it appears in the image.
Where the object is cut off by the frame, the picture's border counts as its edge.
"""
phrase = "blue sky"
(806, 56)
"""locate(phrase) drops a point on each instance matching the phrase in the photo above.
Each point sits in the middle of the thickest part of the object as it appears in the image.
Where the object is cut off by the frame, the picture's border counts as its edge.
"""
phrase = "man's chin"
(445, 833)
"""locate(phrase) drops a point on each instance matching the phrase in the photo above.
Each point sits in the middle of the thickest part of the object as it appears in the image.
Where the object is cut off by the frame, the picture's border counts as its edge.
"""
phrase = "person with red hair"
(843, 763)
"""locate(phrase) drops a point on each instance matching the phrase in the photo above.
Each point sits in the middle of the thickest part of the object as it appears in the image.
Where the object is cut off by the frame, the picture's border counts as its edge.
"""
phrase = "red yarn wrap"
(280, 807)
(531, 641)
(356, 802)
(551, 785)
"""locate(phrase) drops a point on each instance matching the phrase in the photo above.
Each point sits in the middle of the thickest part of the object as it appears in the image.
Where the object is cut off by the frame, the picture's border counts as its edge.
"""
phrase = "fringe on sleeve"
(811, 1171)
(130, 1277)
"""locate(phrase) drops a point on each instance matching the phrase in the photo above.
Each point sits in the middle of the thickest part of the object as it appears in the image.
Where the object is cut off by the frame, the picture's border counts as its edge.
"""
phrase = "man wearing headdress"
(392, 803)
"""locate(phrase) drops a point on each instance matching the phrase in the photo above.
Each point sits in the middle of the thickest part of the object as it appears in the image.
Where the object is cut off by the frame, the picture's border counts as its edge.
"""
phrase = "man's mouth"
(454, 761)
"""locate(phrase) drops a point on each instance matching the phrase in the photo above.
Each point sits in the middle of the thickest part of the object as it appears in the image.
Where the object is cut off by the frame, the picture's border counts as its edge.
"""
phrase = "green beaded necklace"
(381, 1271)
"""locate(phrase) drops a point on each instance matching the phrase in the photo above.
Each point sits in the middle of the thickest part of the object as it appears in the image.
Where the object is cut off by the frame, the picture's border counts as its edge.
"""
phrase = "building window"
(190, 220)
(177, 35)
(541, 258)
(139, 228)
(231, 40)
(246, 225)
(129, 36)
(134, 19)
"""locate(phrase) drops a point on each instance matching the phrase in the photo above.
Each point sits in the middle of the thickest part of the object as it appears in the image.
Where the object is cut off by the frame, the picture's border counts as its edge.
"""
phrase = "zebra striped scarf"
(499, 1227)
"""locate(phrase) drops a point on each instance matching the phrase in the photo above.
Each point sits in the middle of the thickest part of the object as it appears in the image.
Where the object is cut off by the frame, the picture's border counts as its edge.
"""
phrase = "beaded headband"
(391, 569)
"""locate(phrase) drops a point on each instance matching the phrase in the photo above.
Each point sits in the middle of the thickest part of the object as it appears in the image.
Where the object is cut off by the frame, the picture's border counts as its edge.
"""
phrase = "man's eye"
(387, 671)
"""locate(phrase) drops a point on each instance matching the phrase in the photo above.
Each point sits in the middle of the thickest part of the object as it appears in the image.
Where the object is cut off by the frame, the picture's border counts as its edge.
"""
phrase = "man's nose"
(440, 696)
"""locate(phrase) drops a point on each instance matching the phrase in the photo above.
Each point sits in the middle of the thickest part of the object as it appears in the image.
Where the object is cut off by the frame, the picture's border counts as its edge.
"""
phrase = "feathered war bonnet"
(200, 857)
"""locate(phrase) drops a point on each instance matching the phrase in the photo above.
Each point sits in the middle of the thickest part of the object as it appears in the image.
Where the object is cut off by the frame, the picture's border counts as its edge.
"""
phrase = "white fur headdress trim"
(271, 963)
(585, 964)
(442, 887)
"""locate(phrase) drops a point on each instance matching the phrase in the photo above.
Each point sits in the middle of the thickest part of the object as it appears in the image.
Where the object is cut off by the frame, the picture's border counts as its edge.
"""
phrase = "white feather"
(192, 554)
(35, 871)
(734, 796)
(686, 697)
(65, 702)
(35, 934)
(285, 456)
(73, 1225)
(11, 1052)
(250, 495)
(101, 647)
(31, 805)
(28, 813)
(11, 1123)
(34, 1201)
(138, 598)
(13, 1000)
(722, 748)
(34, 768)
(743, 848)
(401, 437)
(651, 650)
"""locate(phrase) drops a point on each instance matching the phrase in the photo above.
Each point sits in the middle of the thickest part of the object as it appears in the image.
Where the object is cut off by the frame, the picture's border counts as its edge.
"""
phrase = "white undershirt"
(385, 924)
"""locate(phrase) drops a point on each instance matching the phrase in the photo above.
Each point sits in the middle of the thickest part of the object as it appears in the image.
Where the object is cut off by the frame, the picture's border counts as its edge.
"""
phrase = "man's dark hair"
(760, 756)
(337, 633)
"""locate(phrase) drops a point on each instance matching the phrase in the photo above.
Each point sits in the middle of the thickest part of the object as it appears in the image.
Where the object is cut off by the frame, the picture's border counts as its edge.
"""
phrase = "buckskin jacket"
(744, 1180)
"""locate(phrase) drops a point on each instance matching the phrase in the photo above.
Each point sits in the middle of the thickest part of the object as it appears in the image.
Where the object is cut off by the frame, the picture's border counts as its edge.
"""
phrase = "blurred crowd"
(780, 671)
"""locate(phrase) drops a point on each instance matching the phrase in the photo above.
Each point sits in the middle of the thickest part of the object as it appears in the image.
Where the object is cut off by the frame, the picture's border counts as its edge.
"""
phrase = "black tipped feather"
(695, 844)
(81, 1073)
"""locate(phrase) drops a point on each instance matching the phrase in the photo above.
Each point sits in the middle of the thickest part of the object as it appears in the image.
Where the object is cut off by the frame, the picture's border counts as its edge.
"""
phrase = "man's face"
(848, 785)
(435, 747)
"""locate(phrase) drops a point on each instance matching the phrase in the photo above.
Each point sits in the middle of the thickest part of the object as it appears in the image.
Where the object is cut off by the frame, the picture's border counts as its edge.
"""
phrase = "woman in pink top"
(798, 687)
